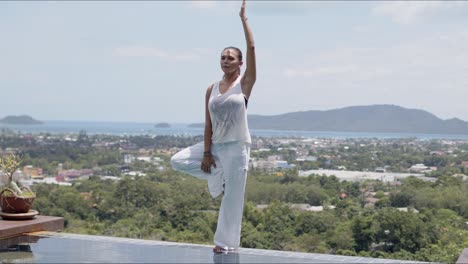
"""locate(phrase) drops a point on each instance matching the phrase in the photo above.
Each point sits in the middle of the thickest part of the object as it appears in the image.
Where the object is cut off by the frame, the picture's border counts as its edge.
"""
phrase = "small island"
(162, 125)
(196, 125)
(20, 120)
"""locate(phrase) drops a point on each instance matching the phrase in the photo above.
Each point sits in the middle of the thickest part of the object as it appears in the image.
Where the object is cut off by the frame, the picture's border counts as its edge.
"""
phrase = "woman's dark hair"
(239, 52)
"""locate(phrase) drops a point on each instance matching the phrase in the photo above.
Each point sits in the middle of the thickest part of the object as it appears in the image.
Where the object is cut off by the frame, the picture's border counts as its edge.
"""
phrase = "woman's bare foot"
(218, 249)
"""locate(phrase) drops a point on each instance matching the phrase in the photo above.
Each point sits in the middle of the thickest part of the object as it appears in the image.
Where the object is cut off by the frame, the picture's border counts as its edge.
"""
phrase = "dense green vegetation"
(167, 205)
(171, 206)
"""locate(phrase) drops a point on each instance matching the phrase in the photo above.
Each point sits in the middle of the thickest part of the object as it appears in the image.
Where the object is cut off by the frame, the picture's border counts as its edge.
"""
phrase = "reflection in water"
(229, 257)
(17, 249)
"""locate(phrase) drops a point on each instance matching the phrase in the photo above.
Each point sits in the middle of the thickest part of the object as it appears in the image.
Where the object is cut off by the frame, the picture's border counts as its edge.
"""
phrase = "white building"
(418, 167)
(129, 159)
(263, 164)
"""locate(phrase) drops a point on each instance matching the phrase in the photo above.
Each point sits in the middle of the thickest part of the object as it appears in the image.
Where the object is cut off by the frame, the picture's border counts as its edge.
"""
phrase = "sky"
(152, 61)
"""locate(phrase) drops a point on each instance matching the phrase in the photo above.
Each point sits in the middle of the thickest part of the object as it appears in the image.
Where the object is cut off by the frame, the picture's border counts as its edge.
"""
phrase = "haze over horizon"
(152, 61)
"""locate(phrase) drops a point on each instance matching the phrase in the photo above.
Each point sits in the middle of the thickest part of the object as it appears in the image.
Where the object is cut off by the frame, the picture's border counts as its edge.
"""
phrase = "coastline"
(128, 128)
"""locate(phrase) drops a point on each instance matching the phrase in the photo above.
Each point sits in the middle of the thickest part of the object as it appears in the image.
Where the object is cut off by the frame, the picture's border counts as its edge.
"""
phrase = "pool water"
(50, 247)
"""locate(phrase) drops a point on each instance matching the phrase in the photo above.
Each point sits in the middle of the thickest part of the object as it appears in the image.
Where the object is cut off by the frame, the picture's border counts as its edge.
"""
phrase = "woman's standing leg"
(235, 157)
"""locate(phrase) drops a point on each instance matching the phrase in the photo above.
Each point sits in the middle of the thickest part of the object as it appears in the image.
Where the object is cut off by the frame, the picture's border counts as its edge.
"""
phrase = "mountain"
(20, 120)
(372, 118)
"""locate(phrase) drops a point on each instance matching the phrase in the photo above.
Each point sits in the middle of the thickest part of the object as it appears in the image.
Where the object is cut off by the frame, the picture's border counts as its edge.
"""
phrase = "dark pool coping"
(11, 228)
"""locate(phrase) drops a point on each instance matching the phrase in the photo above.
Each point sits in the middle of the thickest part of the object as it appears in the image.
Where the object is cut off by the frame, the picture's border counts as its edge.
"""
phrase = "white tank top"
(228, 114)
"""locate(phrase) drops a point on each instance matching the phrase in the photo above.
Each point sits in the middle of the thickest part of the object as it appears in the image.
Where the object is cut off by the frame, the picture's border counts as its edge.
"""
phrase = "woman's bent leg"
(189, 160)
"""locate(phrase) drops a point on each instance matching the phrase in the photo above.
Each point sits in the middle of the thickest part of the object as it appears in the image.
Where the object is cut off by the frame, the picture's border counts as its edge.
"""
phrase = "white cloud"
(407, 12)
(345, 63)
(429, 73)
(138, 51)
(323, 71)
(286, 7)
(210, 4)
(437, 56)
(185, 56)
(350, 73)
(263, 7)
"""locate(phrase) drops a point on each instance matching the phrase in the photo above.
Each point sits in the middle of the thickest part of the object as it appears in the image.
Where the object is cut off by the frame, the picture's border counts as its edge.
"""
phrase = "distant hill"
(373, 118)
(20, 120)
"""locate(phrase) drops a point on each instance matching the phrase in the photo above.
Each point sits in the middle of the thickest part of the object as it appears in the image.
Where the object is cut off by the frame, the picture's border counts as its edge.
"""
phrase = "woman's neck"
(230, 77)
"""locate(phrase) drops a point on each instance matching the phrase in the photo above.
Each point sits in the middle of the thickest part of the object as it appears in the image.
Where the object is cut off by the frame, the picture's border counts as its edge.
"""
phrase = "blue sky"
(151, 61)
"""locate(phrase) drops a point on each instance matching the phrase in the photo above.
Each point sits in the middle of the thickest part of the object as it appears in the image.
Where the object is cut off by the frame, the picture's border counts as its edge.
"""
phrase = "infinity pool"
(50, 247)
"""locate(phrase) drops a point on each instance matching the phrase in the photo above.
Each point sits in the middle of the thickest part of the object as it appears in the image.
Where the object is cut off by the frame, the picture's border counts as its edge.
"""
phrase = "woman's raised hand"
(242, 10)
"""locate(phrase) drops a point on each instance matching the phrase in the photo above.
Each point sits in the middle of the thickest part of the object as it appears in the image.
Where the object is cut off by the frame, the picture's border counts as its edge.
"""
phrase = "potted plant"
(13, 198)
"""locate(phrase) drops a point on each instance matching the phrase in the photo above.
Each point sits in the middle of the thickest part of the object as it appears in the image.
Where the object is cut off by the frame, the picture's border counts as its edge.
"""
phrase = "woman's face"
(230, 61)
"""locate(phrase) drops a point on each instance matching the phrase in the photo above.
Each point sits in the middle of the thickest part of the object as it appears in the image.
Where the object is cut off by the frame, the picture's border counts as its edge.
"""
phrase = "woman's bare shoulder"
(209, 89)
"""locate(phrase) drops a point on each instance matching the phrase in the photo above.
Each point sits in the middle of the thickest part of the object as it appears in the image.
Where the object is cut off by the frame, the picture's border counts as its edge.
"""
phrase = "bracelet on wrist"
(207, 154)
(244, 18)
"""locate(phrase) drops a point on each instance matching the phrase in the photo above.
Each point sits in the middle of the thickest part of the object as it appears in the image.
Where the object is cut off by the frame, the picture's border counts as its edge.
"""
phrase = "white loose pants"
(229, 176)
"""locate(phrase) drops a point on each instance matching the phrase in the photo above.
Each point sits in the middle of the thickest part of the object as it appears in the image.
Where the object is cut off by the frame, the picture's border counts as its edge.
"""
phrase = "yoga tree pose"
(222, 159)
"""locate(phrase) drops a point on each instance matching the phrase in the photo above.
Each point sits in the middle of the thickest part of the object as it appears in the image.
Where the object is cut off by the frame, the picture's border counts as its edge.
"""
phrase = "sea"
(129, 128)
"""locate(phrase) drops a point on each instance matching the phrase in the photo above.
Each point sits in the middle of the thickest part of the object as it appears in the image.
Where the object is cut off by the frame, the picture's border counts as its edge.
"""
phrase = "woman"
(224, 154)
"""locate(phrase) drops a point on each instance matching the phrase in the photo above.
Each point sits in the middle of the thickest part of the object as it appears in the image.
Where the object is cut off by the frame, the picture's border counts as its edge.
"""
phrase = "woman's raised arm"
(250, 75)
